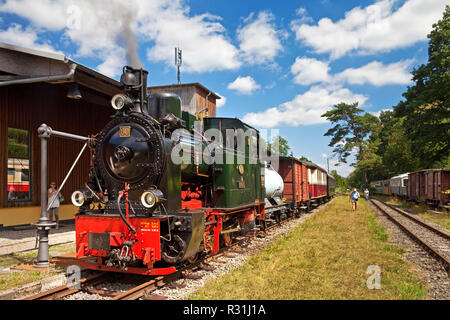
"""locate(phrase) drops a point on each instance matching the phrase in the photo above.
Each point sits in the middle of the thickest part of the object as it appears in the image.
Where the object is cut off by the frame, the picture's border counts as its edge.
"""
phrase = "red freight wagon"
(317, 179)
(295, 177)
(430, 186)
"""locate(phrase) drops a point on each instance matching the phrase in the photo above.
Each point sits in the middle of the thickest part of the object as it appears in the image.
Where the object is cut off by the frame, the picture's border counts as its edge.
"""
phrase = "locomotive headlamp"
(78, 198)
(120, 100)
(150, 198)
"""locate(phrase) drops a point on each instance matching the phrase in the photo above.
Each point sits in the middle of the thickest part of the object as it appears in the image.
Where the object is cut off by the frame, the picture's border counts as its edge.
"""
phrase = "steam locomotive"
(166, 188)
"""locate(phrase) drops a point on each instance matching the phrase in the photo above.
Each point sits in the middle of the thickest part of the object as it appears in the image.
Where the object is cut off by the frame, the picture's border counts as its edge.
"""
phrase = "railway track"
(144, 289)
(65, 290)
(435, 241)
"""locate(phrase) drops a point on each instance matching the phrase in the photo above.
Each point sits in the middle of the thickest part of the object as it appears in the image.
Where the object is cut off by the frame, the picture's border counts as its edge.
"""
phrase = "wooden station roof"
(24, 63)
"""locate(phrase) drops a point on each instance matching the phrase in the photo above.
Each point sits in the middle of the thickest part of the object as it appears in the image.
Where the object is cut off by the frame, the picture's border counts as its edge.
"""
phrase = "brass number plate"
(125, 131)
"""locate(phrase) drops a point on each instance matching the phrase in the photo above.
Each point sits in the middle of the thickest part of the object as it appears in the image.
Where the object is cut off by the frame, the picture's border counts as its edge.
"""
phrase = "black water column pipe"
(44, 224)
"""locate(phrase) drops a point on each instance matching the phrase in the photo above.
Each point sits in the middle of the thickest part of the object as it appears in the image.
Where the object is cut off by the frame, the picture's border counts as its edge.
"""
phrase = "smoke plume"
(131, 44)
(115, 18)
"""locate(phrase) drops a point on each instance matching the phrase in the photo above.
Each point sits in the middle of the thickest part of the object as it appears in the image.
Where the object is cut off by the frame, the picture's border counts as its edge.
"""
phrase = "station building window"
(19, 159)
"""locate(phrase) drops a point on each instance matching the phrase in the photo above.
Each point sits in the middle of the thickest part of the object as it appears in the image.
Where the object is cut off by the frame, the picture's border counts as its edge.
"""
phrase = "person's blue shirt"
(355, 195)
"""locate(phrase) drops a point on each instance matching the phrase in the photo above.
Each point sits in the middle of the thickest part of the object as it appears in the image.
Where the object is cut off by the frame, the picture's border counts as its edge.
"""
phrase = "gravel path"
(432, 273)
(16, 241)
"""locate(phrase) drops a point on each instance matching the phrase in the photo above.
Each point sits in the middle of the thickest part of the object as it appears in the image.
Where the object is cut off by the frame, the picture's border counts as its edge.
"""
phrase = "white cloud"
(99, 31)
(259, 40)
(304, 18)
(113, 63)
(244, 85)
(221, 102)
(304, 109)
(202, 38)
(163, 24)
(377, 113)
(375, 28)
(307, 71)
(378, 74)
(27, 37)
(44, 13)
(300, 11)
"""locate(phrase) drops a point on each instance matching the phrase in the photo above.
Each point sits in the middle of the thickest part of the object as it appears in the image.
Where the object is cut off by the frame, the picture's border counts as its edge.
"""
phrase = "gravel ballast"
(432, 272)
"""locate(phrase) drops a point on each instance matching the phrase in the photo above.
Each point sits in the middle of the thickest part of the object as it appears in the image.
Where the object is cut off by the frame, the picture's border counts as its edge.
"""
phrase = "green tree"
(395, 148)
(355, 134)
(426, 110)
(303, 158)
(283, 146)
(341, 182)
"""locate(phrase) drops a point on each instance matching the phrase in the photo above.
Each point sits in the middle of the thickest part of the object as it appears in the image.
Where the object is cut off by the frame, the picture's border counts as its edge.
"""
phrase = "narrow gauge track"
(432, 239)
(65, 290)
(143, 290)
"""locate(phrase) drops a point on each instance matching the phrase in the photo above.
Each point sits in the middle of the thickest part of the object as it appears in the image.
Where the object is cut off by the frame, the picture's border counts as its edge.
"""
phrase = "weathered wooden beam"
(20, 63)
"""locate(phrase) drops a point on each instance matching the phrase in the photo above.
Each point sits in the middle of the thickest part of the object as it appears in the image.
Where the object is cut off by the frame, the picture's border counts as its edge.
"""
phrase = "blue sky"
(278, 64)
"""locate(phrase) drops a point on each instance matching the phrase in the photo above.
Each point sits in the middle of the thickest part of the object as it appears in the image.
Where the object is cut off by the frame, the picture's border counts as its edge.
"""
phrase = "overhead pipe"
(66, 76)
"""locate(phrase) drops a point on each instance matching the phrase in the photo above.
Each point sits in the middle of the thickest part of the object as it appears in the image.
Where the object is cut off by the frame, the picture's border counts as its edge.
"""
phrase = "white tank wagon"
(275, 208)
(273, 182)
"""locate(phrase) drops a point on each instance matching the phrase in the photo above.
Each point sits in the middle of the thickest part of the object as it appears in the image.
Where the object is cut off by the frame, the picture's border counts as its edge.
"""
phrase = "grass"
(17, 278)
(324, 258)
(442, 219)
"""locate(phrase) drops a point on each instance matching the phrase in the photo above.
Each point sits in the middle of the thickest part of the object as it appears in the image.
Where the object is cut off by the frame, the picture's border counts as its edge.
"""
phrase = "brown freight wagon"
(295, 177)
(429, 186)
(386, 187)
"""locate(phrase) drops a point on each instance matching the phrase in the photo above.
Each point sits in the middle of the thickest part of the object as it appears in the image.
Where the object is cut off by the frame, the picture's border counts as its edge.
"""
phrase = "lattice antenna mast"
(178, 62)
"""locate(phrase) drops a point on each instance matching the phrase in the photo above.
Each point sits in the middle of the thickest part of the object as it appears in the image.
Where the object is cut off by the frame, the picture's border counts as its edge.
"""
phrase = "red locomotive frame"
(148, 244)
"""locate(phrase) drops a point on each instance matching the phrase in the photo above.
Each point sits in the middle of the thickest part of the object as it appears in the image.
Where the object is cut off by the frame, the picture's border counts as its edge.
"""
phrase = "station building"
(195, 98)
(39, 87)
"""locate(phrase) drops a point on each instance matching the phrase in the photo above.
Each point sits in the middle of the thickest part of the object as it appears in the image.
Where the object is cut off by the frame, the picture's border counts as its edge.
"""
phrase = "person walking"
(354, 199)
(366, 194)
(54, 200)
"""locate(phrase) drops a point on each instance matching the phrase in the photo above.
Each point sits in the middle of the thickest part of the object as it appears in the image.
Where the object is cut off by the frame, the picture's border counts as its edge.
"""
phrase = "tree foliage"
(354, 133)
(283, 146)
(303, 158)
(426, 110)
(415, 135)
(341, 182)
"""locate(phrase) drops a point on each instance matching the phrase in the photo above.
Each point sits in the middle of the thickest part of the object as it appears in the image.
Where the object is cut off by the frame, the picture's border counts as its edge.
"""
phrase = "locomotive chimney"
(144, 75)
(134, 82)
